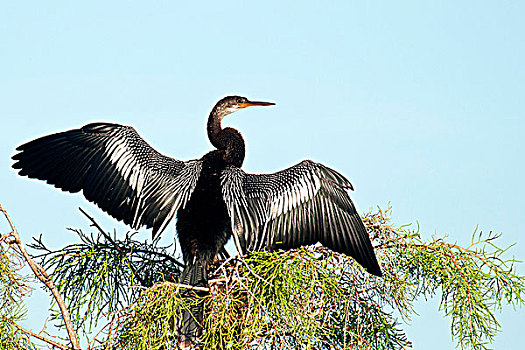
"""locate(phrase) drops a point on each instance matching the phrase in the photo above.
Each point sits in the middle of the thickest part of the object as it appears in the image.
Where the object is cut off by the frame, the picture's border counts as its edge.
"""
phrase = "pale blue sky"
(420, 105)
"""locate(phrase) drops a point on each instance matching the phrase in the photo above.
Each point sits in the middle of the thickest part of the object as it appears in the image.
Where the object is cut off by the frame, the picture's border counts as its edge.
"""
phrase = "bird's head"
(230, 104)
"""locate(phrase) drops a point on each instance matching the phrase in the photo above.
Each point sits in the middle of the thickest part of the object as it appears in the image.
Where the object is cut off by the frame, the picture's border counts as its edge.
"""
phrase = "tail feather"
(190, 322)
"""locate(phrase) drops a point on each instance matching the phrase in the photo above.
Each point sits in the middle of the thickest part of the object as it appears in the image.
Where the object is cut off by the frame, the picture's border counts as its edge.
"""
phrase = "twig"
(42, 275)
(138, 250)
(38, 336)
(165, 256)
(95, 224)
(241, 259)
(217, 280)
(275, 326)
(173, 284)
(5, 237)
(114, 319)
(187, 286)
(108, 237)
(224, 263)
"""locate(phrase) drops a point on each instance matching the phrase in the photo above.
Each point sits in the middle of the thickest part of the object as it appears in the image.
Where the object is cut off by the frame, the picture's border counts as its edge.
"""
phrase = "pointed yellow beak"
(255, 103)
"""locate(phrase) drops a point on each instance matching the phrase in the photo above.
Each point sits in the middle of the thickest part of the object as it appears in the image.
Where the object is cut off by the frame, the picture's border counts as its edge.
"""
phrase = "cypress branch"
(126, 292)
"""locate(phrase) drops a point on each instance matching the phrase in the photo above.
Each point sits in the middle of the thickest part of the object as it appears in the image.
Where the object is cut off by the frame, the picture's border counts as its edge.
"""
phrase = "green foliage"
(149, 323)
(95, 275)
(474, 281)
(252, 304)
(322, 300)
(11, 338)
(13, 287)
(305, 298)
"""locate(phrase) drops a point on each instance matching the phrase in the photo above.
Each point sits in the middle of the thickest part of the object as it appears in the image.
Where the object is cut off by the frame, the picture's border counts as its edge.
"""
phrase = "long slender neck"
(227, 139)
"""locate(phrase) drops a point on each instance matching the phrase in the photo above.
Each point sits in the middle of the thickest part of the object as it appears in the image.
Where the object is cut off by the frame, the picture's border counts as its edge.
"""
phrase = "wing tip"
(154, 234)
(375, 270)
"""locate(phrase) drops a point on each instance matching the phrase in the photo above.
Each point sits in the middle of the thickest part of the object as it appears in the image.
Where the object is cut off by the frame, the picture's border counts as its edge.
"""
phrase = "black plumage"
(212, 197)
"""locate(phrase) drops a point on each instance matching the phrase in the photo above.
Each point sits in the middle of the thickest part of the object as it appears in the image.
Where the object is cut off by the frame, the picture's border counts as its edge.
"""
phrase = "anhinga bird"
(212, 197)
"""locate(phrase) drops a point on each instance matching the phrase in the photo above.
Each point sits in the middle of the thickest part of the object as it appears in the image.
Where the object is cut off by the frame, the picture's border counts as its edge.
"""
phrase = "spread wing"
(116, 169)
(304, 204)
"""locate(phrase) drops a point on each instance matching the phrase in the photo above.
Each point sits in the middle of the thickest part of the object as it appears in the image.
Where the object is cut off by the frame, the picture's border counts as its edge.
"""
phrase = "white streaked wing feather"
(115, 168)
(303, 204)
